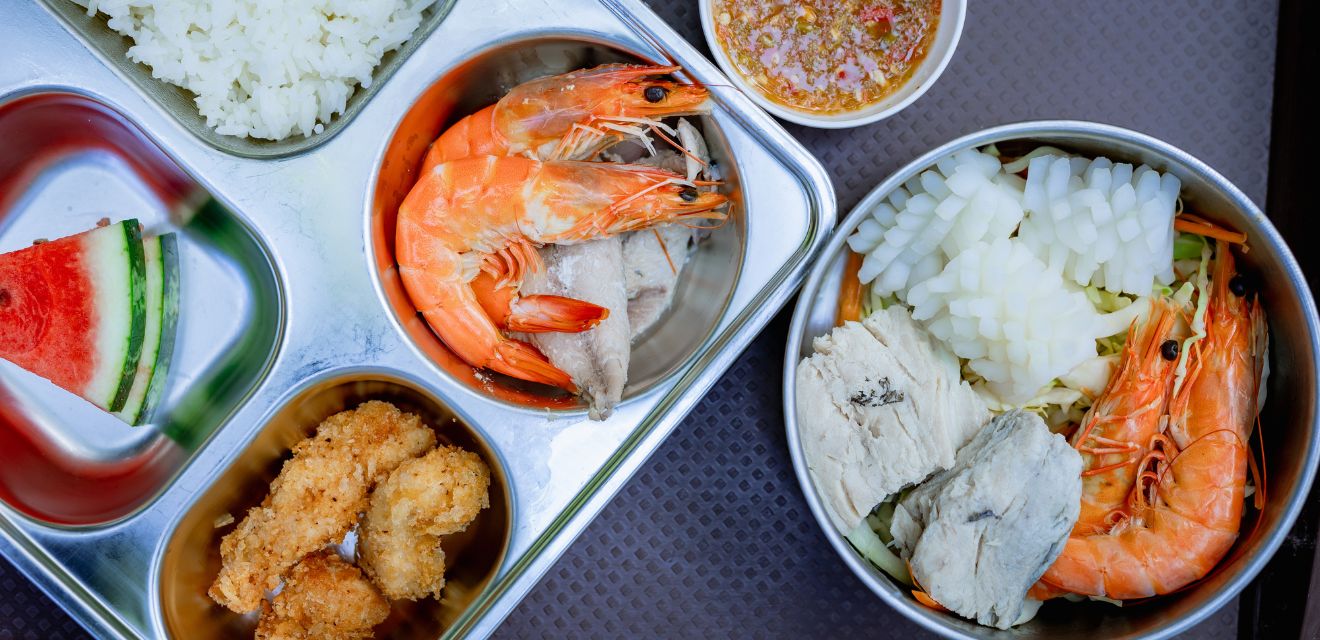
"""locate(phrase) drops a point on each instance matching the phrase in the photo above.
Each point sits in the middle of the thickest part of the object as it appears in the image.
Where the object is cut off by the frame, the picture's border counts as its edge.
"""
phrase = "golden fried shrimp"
(399, 540)
(316, 498)
(324, 598)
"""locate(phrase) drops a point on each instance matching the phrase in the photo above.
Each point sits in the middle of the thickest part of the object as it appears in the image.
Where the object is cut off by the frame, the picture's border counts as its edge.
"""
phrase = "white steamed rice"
(264, 69)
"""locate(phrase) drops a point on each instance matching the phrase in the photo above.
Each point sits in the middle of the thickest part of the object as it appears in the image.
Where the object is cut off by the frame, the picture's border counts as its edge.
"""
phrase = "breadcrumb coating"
(435, 495)
(324, 598)
(316, 498)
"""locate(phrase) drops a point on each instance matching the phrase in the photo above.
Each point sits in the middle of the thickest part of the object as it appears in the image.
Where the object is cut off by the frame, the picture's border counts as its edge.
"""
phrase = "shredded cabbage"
(874, 302)
(871, 538)
(1202, 284)
(1017, 165)
(1187, 246)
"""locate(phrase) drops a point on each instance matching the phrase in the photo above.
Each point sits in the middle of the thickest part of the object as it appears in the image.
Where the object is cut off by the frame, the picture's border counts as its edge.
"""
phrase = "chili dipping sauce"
(826, 56)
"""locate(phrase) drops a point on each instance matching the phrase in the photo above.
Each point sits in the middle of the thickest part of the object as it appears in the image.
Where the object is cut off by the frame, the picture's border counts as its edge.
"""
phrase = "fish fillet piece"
(324, 598)
(597, 359)
(316, 498)
(652, 261)
(881, 406)
(978, 535)
(432, 496)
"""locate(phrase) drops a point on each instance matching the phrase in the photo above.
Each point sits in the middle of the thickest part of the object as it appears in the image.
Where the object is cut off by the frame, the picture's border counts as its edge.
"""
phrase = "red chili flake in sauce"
(826, 56)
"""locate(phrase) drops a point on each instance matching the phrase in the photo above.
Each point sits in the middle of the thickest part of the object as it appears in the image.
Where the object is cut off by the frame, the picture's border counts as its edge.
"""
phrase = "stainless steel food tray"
(306, 212)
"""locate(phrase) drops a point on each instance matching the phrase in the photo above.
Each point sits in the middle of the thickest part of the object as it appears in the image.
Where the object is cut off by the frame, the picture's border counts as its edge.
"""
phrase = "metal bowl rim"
(927, 618)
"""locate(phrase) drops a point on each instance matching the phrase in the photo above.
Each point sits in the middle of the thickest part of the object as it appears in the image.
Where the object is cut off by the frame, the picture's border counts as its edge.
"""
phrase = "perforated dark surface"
(712, 537)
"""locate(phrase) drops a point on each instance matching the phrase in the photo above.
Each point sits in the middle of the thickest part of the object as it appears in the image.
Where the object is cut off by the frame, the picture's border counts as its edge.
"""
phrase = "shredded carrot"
(850, 292)
(1189, 224)
(924, 598)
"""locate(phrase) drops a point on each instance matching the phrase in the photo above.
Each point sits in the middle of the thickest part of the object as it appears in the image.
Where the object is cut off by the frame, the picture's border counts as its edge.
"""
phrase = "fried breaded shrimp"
(435, 495)
(324, 598)
(316, 498)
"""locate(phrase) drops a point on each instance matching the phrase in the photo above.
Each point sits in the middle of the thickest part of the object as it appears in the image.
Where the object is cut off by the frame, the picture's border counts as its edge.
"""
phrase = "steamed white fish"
(881, 406)
(597, 358)
(652, 262)
(979, 534)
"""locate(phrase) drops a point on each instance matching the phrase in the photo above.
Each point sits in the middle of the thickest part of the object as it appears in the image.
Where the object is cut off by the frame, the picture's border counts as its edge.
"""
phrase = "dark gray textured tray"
(712, 538)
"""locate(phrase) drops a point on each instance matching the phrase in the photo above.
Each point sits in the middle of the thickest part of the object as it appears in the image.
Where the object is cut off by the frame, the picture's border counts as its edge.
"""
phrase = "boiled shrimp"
(571, 116)
(487, 214)
(1186, 506)
(1116, 431)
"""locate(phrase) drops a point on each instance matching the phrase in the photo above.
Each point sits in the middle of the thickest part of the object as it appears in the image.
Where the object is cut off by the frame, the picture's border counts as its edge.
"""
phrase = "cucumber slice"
(162, 300)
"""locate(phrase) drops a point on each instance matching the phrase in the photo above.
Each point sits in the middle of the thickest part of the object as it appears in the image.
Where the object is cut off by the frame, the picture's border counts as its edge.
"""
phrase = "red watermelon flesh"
(73, 311)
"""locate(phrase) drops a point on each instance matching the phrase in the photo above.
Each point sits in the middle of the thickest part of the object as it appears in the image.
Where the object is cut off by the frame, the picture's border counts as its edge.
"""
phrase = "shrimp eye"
(1170, 349)
(655, 93)
(688, 194)
(1238, 285)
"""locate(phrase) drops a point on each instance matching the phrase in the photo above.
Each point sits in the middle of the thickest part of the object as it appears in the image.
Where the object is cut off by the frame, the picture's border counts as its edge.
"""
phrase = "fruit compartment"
(69, 161)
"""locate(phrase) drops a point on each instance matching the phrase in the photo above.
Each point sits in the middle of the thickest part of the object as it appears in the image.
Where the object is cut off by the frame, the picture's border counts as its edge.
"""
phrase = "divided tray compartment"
(1289, 417)
(280, 327)
(191, 556)
(706, 284)
(112, 48)
(63, 461)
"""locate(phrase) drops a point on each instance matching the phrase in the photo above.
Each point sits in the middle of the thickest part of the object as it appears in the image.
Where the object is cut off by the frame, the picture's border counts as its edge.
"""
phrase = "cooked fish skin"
(324, 598)
(598, 358)
(880, 406)
(654, 259)
(979, 534)
(425, 498)
(316, 498)
(651, 271)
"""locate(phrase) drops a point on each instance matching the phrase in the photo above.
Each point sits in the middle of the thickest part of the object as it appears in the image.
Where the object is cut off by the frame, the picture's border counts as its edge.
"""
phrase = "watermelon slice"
(162, 257)
(73, 311)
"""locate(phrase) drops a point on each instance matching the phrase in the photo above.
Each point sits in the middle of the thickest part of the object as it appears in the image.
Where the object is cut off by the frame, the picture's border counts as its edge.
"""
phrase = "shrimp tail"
(525, 362)
(545, 313)
(533, 314)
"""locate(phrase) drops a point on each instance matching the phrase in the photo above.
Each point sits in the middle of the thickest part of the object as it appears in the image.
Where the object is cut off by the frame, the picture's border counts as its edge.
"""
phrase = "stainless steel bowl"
(705, 286)
(1288, 422)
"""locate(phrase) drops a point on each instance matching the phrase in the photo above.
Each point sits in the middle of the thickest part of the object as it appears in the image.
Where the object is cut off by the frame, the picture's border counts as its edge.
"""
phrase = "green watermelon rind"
(135, 407)
(116, 270)
(169, 245)
(162, 319)
(137, 293)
